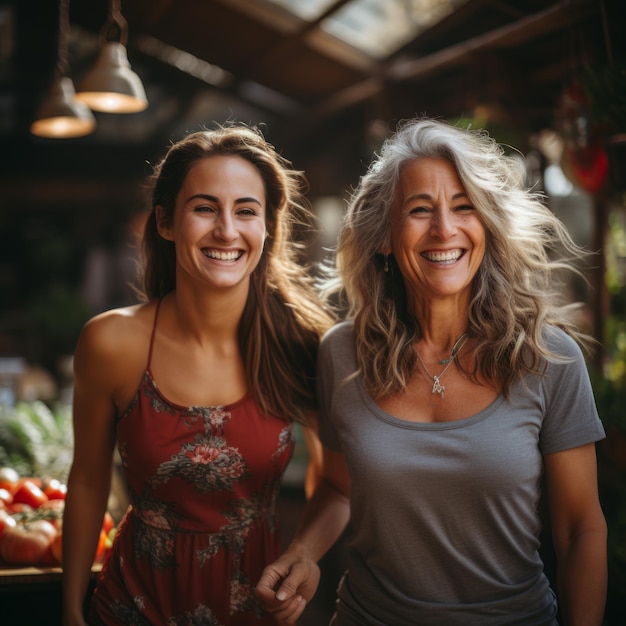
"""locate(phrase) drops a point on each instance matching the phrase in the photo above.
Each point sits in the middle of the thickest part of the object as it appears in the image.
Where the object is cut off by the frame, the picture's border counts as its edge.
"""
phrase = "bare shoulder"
(115, 331)
(113, 347)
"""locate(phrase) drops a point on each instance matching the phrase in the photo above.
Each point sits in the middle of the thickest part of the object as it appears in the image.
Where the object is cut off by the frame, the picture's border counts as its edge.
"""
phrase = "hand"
(286, 586)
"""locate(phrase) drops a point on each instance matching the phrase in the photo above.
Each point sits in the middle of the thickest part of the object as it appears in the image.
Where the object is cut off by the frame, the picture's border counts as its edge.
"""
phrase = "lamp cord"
(62, 45)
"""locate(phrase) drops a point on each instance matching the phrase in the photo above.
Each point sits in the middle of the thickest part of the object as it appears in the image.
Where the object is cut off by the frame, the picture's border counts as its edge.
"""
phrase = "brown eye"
(419, 209)
(247, 212)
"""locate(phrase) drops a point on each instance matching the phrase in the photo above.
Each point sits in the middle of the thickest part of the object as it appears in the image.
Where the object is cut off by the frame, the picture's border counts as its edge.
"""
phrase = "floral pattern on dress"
(242, 511)
(158, 403)
(242, 598)
(206, 462)
(286, 439)
(242, 514)
(153, 539)
(201, 616)
(128, 614)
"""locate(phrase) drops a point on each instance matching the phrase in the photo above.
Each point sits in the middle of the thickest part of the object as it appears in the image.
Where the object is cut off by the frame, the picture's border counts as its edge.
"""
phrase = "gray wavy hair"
(515, 292)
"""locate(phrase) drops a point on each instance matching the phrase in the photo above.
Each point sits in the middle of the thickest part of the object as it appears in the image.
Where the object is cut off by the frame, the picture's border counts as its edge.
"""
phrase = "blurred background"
(327, 80)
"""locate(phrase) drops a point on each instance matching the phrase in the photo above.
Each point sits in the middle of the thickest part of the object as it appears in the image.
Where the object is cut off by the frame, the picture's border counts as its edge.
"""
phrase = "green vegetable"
(36, 440)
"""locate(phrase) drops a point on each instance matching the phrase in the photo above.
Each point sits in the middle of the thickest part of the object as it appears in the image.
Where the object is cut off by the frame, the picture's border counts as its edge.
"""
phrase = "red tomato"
(6, 521)
(52, 510)
(8, 478)
(55, 489)
(18, 507)
(27, 544)
(27, 492)
(54, 505)
(56, 550)
(5, 496)
(101, 547)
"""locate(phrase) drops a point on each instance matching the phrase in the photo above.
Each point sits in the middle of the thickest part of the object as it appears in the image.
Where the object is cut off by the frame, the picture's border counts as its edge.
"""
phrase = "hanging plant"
(584, 152)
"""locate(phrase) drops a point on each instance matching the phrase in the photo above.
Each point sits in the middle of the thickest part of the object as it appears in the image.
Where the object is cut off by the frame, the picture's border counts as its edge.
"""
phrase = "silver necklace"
(455, 348)
(438, 388)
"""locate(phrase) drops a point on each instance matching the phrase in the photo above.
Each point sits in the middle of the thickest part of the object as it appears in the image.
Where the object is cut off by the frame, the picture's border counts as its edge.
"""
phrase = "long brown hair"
(283, 319)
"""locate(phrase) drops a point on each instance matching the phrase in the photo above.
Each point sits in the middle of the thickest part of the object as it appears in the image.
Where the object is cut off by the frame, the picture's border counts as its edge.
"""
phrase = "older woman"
(454, 387)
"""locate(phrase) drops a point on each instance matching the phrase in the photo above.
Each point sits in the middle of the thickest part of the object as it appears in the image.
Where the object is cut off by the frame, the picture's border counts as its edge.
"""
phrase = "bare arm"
(579, 532)
(290, 582)
(89, 480)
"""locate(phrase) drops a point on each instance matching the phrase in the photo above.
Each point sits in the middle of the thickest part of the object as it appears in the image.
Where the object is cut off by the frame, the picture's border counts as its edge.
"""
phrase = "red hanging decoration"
(584, 152)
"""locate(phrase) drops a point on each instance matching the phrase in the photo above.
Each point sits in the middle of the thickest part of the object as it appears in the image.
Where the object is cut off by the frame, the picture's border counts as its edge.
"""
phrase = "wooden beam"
(556, 17)
(345, 99)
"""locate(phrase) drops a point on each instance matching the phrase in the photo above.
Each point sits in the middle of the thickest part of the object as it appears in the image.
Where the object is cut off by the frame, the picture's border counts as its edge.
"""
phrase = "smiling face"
(436, 236)
(219, 222)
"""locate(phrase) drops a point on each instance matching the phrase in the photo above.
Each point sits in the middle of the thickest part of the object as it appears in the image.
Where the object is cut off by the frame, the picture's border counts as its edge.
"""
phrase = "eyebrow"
(206, 196)
(426, 196)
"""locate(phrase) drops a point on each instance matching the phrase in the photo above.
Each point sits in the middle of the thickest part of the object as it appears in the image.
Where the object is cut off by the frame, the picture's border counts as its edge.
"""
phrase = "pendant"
(438, 387)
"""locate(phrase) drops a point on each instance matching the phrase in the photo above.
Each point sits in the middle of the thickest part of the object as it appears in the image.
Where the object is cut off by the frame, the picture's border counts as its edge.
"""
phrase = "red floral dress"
(203, 484)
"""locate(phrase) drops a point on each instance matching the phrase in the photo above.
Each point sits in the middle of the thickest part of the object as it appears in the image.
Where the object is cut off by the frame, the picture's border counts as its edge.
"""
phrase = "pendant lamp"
(61, 115)
(111, 86)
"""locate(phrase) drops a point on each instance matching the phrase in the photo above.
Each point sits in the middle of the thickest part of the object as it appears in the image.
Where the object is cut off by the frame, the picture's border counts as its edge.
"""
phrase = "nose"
(442, 225)
(225, 227)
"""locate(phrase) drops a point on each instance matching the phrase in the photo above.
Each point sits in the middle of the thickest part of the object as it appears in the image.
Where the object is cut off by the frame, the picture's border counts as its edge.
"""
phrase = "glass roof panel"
(375, 27)
(305, 9)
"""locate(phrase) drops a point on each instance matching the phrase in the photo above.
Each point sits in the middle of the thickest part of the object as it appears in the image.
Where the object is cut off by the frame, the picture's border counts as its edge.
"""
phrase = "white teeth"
(233, 255)
(449, 256)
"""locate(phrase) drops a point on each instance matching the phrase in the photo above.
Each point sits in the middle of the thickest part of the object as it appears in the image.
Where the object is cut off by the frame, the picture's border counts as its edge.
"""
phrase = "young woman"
(199, 388)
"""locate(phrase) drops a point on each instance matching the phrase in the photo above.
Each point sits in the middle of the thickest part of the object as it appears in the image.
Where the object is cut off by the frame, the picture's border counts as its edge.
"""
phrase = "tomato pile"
(31, 521)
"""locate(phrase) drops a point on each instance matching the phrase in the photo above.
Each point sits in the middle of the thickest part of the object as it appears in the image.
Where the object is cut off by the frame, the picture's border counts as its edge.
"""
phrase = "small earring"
(386, 266)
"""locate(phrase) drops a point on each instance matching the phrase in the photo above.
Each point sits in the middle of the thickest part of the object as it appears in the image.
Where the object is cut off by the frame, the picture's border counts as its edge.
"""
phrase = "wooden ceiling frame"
(405, 70)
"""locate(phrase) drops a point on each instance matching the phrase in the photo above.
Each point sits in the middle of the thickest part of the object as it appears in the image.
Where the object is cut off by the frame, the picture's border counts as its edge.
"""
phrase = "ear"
(163, 225)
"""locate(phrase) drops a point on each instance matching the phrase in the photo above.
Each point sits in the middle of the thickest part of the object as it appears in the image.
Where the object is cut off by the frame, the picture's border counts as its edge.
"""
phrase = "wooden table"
(17, 575)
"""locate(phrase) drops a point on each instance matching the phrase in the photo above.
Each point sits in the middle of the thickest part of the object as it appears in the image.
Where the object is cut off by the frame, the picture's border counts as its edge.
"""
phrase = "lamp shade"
(61, 115)
(111, 86)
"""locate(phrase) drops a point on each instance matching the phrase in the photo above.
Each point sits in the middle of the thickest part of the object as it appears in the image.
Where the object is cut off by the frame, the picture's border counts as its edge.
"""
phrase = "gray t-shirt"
(445, 515)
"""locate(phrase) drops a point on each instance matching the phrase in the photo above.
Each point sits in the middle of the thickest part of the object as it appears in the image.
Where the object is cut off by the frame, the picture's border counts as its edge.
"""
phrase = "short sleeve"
(325, 387)
(571, 416)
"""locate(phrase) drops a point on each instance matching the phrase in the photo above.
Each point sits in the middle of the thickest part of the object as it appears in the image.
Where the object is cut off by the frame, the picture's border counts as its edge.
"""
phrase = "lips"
(443, 256)
(222, 255)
